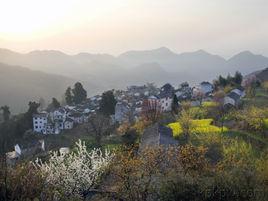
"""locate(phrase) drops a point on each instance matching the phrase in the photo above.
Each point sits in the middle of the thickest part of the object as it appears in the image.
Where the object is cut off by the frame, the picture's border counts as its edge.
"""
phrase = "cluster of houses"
(130, 104)
(64, 118)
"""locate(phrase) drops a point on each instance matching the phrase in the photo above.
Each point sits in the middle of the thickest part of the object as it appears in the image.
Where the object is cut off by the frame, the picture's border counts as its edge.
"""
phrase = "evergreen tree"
(68, 96)
(107, 104)
(238, 78)
(229, 79)
(6, 112)
(54, 104)
(42, 103)
(175, 104)
(24, 121)
(28, 116)
(79, 93)
(222, 81)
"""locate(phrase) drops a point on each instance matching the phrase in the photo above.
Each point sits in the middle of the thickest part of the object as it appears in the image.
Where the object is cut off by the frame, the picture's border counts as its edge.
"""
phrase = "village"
(130, 104)
(123, 100)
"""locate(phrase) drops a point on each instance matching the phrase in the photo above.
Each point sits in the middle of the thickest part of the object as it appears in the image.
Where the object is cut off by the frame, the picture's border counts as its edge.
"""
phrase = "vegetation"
(68, 96)
(74, 174)
(221, 154)
(53, 105)
(79, 93)
(197, 126)
(235, 80)
(107, 104)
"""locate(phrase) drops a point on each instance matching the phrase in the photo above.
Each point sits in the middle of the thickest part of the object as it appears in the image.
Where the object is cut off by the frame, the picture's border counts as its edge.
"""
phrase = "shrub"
(23, 182)
(266, 123)
(254, 118)
(75, 173)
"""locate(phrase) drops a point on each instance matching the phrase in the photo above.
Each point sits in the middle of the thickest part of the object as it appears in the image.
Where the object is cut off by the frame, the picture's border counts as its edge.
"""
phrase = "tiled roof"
(157, 135)
(40, 115)
(234, 96)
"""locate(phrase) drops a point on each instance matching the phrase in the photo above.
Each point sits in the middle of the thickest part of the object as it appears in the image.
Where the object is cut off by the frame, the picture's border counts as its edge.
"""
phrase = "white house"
(232, 99)
(68, 124)
(166, 97)
(49, 129)
(122, 111)
(204, 87)
(229, 101)
(39, 122)
(77, 117)
(59, 114)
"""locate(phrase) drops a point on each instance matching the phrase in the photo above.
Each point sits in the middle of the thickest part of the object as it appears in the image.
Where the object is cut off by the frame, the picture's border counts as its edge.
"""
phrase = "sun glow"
(24, 19)
(29, 19)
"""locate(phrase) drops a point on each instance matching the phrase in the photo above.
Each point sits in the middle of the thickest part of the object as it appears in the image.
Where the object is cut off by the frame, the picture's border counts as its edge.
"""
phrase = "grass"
(266, 123)
(209, 104)
(198, 126)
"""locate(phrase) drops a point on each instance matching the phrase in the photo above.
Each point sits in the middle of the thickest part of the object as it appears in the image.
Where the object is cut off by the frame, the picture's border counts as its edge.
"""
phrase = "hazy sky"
(222, 27)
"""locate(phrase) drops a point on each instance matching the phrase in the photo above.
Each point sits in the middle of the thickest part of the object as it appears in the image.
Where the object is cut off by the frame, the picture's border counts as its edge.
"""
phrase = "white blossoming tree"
(77, 172)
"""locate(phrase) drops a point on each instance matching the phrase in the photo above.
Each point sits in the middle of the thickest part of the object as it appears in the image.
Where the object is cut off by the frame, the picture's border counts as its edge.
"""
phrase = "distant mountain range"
(103, 71)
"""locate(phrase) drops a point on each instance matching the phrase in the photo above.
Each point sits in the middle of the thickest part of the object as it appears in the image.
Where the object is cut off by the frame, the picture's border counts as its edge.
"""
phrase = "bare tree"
(100, 125)
(199, 95)
(151, 110)
(186, 123)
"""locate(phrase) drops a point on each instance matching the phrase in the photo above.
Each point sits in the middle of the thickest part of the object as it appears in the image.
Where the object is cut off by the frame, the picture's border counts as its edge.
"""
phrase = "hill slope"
(19, 85)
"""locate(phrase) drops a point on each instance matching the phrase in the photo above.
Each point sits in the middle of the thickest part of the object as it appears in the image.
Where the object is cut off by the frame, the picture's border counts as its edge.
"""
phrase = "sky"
(223, 27)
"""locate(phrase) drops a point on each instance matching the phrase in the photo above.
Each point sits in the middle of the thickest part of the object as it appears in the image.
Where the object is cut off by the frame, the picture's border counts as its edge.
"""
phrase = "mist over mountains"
(49, 72)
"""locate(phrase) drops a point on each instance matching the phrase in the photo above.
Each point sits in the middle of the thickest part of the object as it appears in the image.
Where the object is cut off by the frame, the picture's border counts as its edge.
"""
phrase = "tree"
(107, 103)
(99, 124)
(68, 96)
(219, 110)
(251, 88)
(54, 104)
(253, 117)
(151, 110)
(130, 137)
(199, 95)
(27, 121)
(238, 78)
(42, 103)
(222, 81)
(79, 93)
(265, 86)
(175, 104)
(186, 123)
(75, 174)
(6, 112)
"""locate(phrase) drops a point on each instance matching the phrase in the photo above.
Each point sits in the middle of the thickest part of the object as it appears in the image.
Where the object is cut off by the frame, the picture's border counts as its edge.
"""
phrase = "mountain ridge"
(161, 65)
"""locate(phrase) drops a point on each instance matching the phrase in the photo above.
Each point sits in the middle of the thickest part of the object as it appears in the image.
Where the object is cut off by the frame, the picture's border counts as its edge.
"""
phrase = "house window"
(36, 127)
(36, 122)
(166, 104)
